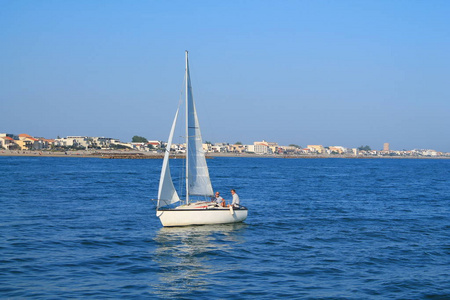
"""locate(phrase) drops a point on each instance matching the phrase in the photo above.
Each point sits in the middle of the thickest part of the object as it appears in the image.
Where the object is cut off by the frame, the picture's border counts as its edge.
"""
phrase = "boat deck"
(201, 206)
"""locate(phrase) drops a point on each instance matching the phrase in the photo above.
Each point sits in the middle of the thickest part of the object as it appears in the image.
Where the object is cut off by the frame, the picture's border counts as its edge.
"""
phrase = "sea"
(85, 228)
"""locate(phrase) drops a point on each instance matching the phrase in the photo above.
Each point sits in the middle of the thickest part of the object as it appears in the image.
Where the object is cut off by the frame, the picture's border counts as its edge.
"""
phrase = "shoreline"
(107, 154)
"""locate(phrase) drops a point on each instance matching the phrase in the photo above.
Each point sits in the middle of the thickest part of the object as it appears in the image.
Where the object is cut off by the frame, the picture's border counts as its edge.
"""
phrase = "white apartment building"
(102, 142)
(261, 147)
(73, 141)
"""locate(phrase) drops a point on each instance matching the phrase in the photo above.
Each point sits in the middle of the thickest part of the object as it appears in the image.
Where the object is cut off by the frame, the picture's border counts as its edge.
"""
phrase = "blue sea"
(85, 228)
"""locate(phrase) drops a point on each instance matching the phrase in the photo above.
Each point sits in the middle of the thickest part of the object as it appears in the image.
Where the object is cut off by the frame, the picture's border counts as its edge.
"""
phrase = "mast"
(187, 129)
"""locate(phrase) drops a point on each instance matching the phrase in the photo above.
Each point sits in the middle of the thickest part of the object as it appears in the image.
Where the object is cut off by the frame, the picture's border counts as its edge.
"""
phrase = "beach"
(115, 154)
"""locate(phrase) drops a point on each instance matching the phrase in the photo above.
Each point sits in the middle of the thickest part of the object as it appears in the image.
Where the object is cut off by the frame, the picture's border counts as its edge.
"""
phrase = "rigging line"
(182, 170)
(180, 101)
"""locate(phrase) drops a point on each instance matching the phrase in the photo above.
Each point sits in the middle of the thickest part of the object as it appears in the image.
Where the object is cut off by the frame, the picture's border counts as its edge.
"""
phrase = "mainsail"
(199, 183)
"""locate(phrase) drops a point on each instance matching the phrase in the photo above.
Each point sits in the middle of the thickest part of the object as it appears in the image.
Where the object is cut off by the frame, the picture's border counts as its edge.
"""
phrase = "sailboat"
(170, 208)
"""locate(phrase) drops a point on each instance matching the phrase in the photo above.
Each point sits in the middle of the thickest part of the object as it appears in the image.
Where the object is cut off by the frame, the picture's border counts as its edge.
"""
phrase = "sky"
(333, 73)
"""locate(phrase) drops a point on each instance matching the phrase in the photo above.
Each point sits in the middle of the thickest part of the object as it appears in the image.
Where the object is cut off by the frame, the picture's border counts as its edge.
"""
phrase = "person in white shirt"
(219, 200)
(236, 202)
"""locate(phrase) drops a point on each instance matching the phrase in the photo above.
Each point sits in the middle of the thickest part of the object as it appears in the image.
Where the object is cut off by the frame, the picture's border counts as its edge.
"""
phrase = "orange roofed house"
(27, 142)
(7, 142)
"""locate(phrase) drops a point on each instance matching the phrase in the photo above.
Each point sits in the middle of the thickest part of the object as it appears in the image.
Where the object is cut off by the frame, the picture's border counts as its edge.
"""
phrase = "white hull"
(194, 216)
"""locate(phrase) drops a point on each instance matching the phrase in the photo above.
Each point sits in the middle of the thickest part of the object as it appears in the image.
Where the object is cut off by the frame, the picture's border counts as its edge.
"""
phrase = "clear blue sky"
(345, 73)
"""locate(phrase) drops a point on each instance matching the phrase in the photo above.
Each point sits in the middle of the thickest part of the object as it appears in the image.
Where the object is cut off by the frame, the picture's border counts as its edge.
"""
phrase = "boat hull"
(186, 217)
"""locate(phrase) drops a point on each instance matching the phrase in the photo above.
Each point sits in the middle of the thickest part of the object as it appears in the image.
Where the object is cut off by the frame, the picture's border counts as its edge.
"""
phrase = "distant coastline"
(114, 154)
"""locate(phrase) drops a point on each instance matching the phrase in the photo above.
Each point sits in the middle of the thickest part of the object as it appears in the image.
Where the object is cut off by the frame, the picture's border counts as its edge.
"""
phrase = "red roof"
(48, 140)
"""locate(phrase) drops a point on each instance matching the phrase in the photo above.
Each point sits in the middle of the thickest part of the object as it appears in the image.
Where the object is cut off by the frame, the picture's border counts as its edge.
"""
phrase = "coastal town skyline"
(25, 141)
(372, 145)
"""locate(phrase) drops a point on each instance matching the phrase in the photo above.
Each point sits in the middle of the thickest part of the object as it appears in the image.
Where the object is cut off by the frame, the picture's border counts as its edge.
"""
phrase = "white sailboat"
(198, 183)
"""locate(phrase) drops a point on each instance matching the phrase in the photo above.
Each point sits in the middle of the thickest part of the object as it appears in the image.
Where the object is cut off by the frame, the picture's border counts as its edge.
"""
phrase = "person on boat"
(236, 202)
(219, 200)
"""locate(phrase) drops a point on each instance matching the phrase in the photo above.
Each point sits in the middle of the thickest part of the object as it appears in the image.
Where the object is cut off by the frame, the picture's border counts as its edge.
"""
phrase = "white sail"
(167, 193)
(198, 175)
